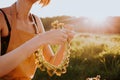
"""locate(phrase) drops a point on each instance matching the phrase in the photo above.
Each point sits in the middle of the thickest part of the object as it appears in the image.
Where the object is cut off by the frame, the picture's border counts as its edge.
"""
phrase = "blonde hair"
(44, 2)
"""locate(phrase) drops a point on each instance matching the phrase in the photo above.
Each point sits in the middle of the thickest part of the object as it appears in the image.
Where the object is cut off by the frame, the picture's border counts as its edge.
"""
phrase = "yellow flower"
(57, 25)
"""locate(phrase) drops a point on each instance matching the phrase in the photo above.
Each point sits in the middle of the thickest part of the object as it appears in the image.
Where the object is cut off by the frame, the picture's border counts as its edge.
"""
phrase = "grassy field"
(91, 55)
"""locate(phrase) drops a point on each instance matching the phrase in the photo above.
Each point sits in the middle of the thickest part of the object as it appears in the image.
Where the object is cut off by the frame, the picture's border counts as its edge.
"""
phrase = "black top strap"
(5, 40)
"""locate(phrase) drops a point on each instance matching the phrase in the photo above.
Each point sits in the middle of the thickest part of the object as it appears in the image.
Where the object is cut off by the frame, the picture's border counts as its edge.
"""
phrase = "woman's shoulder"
(39, 22)
(6, 11)
(2, 18)
(2, 21)
(38, 19)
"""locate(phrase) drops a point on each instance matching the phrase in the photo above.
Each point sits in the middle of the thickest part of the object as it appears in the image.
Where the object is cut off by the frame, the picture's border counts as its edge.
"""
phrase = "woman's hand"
(57, 36)
(70, 31)
(70, 34)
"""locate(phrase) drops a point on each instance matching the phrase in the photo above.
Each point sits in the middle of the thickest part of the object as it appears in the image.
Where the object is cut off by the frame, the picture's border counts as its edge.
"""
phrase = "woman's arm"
(57, 57)
(13, 58)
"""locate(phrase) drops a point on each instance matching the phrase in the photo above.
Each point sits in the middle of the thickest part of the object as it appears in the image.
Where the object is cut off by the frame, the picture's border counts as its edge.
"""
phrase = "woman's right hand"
(57, 36)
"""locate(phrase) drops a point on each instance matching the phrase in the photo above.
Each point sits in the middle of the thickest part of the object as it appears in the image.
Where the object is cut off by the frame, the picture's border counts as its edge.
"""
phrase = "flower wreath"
(51, 69)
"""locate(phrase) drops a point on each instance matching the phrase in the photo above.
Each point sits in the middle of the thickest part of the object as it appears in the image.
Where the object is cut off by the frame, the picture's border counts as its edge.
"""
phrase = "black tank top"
(5, 40)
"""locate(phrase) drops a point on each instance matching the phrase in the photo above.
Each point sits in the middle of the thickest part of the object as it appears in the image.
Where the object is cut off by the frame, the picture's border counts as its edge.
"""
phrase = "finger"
(72, 33)
(65, 36)
(63, 40)
(63, 31)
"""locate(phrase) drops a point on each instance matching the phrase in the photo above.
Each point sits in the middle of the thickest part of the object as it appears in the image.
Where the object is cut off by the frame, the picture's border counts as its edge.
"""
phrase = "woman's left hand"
(70, 34)
(70, 31)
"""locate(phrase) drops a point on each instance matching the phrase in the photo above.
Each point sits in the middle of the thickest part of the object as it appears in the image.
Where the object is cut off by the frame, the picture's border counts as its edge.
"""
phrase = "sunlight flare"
(96, 21)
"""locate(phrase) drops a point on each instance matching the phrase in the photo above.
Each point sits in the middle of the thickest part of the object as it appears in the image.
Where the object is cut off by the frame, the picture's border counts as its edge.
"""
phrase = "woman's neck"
(22, 9)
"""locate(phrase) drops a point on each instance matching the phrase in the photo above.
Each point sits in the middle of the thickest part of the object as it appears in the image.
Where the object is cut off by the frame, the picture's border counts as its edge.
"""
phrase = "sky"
(77, 8)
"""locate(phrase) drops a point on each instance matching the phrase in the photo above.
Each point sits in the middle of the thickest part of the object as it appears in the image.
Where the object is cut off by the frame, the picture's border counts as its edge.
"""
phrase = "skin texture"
(24, 23)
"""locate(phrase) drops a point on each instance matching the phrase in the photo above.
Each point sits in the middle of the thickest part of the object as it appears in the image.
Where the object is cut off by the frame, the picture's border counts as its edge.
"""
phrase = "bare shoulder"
(2, 20)
(38, 19)
(39, 23)
(3, 25)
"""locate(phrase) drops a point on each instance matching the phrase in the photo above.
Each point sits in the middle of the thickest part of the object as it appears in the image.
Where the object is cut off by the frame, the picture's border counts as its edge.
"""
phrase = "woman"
(26, 35)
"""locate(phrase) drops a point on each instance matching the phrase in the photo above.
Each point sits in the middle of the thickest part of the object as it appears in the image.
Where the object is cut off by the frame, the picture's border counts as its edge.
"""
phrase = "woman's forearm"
(13, 58)
(53, 58)
(47, 52)
(58, 57)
